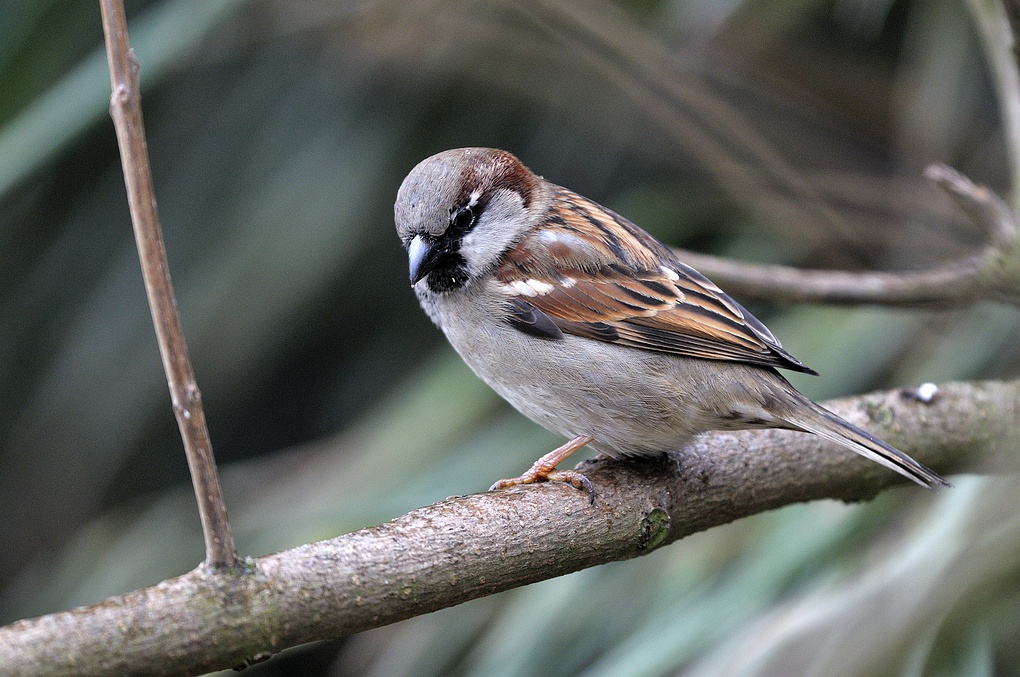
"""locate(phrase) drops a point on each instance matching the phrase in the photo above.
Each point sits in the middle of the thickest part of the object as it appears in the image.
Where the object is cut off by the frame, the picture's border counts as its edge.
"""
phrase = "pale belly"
(633, 402)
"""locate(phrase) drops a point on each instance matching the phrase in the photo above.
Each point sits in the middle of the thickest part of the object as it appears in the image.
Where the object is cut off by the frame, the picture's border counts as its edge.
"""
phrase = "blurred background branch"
(993, 274)
(781, 133)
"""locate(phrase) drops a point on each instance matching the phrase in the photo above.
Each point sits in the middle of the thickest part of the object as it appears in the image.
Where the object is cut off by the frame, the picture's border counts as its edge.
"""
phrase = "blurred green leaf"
(790, 133)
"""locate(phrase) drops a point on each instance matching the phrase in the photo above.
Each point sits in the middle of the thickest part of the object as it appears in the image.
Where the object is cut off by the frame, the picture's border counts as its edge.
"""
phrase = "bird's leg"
(544, 469)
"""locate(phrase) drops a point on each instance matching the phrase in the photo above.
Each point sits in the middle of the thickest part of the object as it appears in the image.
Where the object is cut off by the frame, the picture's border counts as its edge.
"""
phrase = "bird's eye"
(462, 218)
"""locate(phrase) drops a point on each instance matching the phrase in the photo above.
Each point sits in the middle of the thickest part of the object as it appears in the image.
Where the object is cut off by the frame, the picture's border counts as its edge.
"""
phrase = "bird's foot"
(544, 470)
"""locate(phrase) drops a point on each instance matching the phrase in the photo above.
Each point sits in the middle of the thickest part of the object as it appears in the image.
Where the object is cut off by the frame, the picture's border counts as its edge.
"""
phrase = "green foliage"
(279, 131)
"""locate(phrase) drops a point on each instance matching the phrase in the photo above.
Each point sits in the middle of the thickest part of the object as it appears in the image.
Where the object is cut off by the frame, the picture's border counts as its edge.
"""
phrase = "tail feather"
(835, 429)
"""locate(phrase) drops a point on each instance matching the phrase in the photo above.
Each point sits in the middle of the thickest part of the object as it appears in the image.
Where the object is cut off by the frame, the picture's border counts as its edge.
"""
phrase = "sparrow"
(591, 327)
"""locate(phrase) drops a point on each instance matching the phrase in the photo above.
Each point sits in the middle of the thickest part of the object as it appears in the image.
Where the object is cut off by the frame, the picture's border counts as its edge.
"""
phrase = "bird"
(591, 327)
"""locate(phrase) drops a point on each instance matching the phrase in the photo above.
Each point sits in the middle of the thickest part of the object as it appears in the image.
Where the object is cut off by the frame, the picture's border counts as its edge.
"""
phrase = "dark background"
(791, 132)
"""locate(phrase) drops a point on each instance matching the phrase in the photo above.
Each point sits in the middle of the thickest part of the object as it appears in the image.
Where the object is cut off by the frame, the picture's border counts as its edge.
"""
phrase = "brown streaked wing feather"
(599, 276)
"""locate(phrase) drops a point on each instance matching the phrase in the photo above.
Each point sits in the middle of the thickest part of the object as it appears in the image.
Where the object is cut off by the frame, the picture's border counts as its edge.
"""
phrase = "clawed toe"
(575, 479)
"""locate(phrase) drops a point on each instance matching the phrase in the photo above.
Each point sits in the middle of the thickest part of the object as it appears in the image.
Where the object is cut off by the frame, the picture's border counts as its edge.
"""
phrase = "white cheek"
(499, 226)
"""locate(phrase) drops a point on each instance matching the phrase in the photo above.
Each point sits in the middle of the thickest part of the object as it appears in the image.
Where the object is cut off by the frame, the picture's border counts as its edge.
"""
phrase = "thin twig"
(126, 110)
(991, 274)
(471, 546)
(938, 287)
(995, 25)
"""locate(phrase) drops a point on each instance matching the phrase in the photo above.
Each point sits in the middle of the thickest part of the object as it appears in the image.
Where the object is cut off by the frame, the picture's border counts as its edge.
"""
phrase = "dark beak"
(421, 257)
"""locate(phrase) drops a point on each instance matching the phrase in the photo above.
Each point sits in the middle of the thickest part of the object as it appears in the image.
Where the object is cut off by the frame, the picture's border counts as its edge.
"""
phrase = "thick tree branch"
(471, 546)
(993, 273)
(126, 110)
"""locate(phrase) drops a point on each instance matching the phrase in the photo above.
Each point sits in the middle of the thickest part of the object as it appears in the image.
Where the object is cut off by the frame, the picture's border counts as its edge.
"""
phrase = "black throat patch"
(450, 273)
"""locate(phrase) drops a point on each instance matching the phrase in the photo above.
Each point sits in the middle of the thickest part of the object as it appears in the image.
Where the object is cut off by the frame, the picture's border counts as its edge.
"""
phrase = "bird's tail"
(826, 424)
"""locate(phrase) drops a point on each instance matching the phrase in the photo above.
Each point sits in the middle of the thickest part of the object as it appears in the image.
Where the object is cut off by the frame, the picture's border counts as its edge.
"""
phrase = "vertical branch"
(995, 22)
(126, 110)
